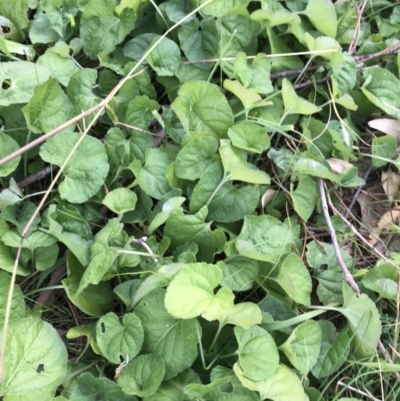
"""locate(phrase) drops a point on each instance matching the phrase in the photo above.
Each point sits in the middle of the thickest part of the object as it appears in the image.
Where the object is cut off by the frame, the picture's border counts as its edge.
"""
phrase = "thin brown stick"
(37, 176)
(386, 52)
(347, 275)
(354, 39)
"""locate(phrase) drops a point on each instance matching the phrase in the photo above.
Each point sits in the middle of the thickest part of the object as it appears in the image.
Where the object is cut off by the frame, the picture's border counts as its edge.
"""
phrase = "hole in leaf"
(103, 328)
(324, 266)
(40, 368)
(5, 29)
(121, 358)
(6, 83)
(144, 304)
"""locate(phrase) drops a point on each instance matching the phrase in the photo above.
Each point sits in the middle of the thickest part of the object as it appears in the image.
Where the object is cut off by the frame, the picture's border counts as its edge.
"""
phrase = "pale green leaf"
(258, 355)
(120, 200)
(35, 361)
(264, 238)
(7, 146)
(182, 229)
(61, 68)
(143, 375)
(383, 147)
(48, 108)
(19, 79)
(191, 293)
(119, 341)
(249, 136)
(17, 302)
(295, 279)
(101, 29)
(165, 58)
(303, 346)
(382, 279)
(294, 104)
(304, 197)
(245, 315)
(195, 156)
(174, 339)
(334, 351)
(239, 273)
(201, 106)
(85, 172)
(322, 15)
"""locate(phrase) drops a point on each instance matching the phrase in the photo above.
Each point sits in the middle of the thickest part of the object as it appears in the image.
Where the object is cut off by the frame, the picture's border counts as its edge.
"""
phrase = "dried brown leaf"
(390, 183)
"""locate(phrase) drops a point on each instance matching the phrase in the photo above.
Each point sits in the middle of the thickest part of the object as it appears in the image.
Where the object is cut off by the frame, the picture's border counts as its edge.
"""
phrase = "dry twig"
(347, 275)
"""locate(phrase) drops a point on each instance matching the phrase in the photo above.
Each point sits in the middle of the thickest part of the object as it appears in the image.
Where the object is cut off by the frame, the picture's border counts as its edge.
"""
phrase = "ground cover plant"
(188, 204)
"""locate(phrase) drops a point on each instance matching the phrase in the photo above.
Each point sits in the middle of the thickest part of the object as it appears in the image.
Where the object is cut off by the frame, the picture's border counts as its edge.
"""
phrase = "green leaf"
(89, 161)
(226, 203)
(94, 300)
(48, 108)
(7, 146)
(234, 161)
(87, 387)
(195, 156)
(221, 7)
(295, 104)
(182, 229)
(201, 106)
(295, 279)
(381, 88)
(152, 177)
(191, 293)
(199, 44)
(334, 351)
(17, 302)
(140, 112)
(385, 147)
(258, 355)
(249, 136)
(165, 58)
(172, 390)
(101, 29)
(245, 315)
(174, 339)
(238, 273)
(304, 197)
(248, 97)
(264, 238)
(80, 93)
(303, 346)
(364, 321)
(143, 375)
(254, 76)
(19, 80)
(136, 47)
(383, 279)
(120, 200)
(119, 341)
(16, 12)
(283, 385)
(61, 68)
(67, 231)
(35, 360)
(169, 207)
(322, 15)
(98, 268)
(308, 163)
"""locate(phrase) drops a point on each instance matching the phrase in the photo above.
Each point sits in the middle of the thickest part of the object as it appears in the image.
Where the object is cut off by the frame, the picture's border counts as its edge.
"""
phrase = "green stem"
(220, 327)
(283, 324)
(51, 287)
(28, 139)
(79, 371)
(200, 346)
(219, 186)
